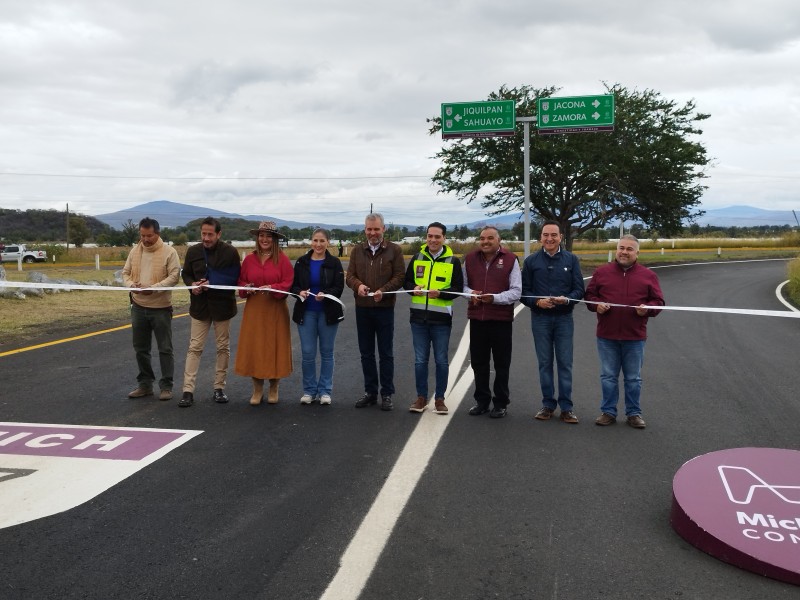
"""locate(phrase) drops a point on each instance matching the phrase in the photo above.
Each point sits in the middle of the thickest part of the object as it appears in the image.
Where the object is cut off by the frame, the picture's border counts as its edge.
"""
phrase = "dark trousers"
(147, 323)
(490, 340)
(376, 324)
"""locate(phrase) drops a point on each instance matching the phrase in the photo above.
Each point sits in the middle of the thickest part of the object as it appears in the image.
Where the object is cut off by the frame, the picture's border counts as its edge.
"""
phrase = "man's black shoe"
(186, 400)
(498, 413)
(367, 400)
(219, 396)
(386, 403)
(478, 410)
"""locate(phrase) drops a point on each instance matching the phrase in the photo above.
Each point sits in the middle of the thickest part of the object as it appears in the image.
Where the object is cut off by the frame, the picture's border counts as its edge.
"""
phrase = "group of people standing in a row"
(622, 293)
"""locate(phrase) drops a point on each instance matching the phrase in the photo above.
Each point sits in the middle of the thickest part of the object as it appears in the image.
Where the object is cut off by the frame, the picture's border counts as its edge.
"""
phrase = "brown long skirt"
(265, 342)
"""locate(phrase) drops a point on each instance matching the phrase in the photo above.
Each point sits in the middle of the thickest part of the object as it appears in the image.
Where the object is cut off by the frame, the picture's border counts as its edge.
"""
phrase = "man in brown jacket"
(376, 266)
(152, 264)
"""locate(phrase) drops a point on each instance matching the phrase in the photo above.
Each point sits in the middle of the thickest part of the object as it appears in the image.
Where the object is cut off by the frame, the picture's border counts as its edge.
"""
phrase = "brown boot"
(258, 391)
(272, 395)
(419, 404)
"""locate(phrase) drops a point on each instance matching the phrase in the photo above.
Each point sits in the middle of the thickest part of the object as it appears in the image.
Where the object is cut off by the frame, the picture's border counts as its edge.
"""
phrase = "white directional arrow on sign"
(596, 115)
(458, 117)
(596, 103)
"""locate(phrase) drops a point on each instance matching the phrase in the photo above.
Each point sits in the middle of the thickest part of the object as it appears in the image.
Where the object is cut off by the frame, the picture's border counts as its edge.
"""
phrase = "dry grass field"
(63, 312)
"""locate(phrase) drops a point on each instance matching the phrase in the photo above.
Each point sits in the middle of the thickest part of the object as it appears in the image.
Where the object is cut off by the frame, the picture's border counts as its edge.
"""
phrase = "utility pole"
(67, 226)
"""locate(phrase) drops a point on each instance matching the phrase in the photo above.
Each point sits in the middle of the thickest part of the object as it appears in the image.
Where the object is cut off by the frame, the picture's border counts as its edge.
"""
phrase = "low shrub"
(793, 287)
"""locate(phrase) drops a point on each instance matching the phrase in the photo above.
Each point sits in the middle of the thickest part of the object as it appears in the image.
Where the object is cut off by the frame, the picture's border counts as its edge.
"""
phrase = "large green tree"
(78, 231)
(649, 169)
(130, 233)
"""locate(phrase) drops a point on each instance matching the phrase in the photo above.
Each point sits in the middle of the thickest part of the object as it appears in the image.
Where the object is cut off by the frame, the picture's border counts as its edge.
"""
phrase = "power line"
(201, 178)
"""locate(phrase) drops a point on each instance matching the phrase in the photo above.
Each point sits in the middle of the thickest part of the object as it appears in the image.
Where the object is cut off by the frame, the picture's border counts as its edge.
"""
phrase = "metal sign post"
(526, 178)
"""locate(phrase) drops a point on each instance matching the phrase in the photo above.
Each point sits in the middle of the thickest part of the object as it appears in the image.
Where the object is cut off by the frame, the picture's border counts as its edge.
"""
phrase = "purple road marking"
(83, 442)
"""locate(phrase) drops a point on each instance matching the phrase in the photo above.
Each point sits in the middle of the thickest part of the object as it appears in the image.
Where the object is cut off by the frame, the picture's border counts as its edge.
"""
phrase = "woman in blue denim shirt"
(316, 273)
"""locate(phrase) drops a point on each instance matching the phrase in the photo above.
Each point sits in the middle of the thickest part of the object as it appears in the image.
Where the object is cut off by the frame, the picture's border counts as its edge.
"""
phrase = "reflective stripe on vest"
(433, 275)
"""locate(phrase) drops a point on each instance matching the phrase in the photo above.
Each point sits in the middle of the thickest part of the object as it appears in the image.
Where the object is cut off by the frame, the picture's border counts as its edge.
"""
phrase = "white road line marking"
(780, 296)
(361, 555)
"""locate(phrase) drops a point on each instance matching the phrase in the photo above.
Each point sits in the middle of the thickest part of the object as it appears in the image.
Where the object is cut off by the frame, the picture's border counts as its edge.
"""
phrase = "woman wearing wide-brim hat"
(265, 342)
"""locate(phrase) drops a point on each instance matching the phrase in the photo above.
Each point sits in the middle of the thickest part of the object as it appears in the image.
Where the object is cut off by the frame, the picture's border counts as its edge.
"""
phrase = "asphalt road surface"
(266, 501)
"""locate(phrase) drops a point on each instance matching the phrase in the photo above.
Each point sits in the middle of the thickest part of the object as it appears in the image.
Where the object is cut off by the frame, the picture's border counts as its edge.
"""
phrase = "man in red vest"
(494, 281)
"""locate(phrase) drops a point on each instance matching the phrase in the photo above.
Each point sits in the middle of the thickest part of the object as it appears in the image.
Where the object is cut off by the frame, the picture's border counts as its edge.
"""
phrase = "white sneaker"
(324, 399)
(306, 399)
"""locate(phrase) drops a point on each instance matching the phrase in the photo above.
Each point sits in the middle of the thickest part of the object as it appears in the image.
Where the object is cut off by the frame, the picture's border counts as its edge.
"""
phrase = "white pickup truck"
(14, 252)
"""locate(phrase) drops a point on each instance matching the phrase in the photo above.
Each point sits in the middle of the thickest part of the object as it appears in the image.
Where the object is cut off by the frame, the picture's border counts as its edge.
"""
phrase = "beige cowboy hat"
(268, 227)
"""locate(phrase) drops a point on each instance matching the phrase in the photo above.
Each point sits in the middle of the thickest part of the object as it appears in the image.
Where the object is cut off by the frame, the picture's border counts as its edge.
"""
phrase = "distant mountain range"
(174, 214)
(746, 216)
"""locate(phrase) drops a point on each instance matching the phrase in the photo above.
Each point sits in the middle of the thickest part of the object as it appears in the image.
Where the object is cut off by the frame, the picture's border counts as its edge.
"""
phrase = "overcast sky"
(323, 105)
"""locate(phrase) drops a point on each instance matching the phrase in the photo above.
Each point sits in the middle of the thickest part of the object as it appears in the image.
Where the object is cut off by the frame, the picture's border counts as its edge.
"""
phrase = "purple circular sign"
(742, 506)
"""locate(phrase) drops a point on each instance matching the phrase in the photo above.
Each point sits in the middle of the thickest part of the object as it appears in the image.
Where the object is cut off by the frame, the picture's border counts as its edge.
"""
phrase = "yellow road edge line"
(74, 338)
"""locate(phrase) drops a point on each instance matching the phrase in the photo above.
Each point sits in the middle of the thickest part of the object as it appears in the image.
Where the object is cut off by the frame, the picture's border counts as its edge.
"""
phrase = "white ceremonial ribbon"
(109, 288)
(112, 288)
(424, 291)
(72, 286)
(252, 289)
(732, 311)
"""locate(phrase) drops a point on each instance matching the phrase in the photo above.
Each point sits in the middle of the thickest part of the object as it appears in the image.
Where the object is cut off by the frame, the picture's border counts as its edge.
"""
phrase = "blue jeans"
(627, 355)
(313, 329)
(552, 337)
(376, 324)
(425, 335)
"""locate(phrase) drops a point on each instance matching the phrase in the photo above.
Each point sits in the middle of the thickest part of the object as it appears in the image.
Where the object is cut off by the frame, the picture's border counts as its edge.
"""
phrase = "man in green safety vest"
(433, 273)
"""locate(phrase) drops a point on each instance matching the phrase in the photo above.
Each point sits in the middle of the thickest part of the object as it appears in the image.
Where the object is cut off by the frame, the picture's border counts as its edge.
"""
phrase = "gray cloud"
(212, 84)
(342, 89)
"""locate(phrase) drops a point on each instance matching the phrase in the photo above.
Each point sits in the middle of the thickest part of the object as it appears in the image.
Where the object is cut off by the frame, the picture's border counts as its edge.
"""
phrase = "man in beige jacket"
(152, 264)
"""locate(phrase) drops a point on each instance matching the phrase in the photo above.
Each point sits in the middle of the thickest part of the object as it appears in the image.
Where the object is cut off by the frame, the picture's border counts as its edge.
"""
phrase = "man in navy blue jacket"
(217, 263)
(551, 279)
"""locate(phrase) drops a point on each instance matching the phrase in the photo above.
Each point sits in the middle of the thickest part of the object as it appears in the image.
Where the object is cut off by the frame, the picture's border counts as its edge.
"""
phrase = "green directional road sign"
(491, 118)
(575, 114)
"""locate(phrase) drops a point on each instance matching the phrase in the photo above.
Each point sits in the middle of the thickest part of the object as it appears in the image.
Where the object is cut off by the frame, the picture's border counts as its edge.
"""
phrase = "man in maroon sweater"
(623, 292)
(494, 279)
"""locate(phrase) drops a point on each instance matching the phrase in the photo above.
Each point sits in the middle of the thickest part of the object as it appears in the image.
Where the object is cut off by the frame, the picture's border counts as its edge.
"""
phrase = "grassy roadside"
(63, 312)
(793, 287)
(33, 318)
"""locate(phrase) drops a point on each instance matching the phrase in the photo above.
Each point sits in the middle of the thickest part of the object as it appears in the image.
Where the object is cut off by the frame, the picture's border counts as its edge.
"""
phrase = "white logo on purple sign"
(747, 483)
(46, 469)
